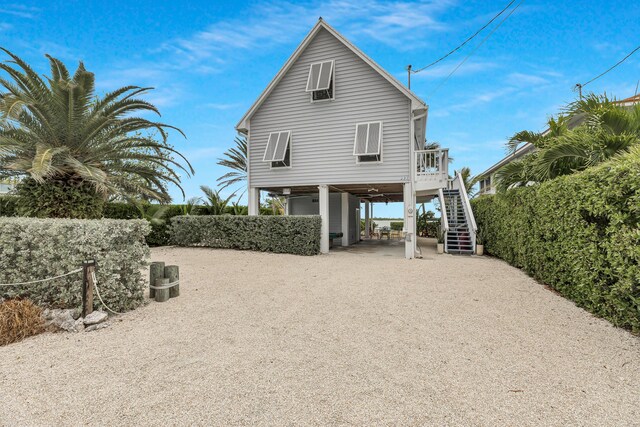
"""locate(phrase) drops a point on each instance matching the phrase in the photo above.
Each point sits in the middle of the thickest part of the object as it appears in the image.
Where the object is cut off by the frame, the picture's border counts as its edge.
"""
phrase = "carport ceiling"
(375, 192)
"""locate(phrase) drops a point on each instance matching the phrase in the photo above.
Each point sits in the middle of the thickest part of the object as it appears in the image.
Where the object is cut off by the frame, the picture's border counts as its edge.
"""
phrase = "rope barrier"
(42, 280)
(95, 285)
(167, 286)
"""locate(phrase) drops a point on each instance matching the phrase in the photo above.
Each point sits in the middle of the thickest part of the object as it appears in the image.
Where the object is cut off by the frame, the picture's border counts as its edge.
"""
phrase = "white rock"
(57, 318)
(95, 318)
(71, 326)
(79, 324)
(96, 327)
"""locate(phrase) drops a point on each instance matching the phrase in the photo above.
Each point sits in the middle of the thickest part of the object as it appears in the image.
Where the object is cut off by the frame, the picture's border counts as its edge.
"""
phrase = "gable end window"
(278, 151)
(320, 81)
(367, 146)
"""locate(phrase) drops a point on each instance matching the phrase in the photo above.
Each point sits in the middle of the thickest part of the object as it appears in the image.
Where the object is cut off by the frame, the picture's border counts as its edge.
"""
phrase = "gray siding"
(323, 132)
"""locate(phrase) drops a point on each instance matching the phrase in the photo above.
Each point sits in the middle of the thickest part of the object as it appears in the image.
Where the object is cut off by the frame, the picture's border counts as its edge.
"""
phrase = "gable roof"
(416, 102)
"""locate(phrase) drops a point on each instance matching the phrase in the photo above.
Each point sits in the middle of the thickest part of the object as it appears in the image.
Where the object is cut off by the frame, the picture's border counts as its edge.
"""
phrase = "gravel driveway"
(340, 339)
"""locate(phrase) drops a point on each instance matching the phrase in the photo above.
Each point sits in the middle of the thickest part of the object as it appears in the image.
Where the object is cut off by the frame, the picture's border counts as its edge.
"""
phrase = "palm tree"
(235, 158)
(215, 204)
(276, 204)
(601, 130)
(468, 180)
(238, 209)
(64, 139)
(191, 206)
(555, 127)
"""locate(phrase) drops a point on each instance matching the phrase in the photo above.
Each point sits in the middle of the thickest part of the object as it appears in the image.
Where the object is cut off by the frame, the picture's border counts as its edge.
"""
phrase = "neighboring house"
(333, 130)
(487, 179)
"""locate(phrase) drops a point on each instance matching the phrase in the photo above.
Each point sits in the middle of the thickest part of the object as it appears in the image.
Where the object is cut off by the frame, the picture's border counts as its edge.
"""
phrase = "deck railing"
(431, 165)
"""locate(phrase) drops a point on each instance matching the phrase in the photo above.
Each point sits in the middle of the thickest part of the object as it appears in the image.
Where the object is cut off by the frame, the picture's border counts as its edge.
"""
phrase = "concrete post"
(345, 218)
(324, 214)
(409, 220)
(367, 222)
(254, 201)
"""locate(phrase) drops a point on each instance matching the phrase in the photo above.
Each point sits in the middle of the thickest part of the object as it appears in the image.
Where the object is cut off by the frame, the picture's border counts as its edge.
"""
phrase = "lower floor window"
(286, 162)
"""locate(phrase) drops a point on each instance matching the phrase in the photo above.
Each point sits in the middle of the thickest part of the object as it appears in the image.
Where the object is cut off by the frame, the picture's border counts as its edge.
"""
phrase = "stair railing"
(466, 205)
(444, 222)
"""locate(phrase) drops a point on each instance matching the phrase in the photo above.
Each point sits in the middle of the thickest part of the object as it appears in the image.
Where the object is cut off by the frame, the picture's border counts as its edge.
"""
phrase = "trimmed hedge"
(580, 234)
(396, 225)
(32, 249)
(281, 234)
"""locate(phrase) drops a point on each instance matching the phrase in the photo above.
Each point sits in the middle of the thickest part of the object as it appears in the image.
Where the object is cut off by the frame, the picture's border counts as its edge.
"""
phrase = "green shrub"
(580, 234)
(8, 206)
(159, 235)
(32, 249)
(160, 223)
(119, 210)
(58, 199)
(427, 224)
(283, 234)
(396, 225)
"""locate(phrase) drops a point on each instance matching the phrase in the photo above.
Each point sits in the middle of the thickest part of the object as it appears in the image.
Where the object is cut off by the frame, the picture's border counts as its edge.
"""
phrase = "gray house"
(333, 131)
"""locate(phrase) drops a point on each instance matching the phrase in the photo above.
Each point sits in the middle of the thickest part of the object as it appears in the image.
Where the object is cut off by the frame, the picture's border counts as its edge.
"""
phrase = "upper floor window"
(320, 81)
(278, 150)
(368, 142)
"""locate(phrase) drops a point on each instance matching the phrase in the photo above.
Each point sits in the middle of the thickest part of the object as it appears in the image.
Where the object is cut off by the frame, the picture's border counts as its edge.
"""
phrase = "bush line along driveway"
(265, 339)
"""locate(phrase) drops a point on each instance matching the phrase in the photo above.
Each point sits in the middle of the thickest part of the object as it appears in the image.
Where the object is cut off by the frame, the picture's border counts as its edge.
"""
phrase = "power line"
(618, 63)
(466, 41)
(475, 49)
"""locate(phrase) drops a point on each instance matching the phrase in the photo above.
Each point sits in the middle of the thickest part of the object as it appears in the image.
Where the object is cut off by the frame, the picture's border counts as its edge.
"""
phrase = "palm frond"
(57, 128)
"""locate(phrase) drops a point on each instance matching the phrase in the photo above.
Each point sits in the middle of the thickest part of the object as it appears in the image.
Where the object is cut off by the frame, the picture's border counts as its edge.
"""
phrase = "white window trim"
(355, 140)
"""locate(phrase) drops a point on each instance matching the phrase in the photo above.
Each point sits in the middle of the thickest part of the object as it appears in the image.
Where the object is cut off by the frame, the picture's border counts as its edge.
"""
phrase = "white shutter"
(277, 146)
(368, 141)
(281, 148)
(326, 71)
(320, 76)
(360, 144)
(271, 147)
(374, 138)
(314, 73)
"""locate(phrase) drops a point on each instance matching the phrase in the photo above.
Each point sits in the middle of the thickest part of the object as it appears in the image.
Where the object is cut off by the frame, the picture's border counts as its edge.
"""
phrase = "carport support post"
(367, 226)
(345, 219)
(409, 221)
(254, 201)
(324, 215)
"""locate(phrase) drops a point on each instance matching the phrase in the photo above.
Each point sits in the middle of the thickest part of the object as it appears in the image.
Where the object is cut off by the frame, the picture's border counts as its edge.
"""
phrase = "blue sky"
(209, 60)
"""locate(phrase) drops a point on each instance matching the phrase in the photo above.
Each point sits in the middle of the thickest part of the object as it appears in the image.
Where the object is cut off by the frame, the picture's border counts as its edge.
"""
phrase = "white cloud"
(477, 100)
(5, 26)
(223, 106)
(399, 23)
(521, 79)
(19, 10)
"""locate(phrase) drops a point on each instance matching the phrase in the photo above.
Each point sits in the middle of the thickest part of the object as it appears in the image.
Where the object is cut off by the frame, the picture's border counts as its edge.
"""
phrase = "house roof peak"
(416, 102)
